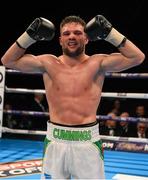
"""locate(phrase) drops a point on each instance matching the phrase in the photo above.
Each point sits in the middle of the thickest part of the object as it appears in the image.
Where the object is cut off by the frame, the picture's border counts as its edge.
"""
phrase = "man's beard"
(75, 53)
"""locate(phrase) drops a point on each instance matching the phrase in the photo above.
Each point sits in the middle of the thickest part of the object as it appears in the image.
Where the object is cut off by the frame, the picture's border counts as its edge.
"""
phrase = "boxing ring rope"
(113, 138)
(108, 75)
(127, 75)
(98, 117)
(104, 94)
(24, 90)
(140, 143)
(109, 142)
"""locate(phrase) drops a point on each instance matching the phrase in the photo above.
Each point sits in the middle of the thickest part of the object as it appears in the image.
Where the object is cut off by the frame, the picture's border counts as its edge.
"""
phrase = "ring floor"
(14, 151)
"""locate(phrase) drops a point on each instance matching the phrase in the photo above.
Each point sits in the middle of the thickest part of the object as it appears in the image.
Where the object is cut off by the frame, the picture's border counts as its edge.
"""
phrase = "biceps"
(115, 63)
(29, 63)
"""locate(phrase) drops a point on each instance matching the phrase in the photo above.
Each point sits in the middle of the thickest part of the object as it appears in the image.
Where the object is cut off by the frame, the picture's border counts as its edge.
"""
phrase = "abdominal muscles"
(73, 106)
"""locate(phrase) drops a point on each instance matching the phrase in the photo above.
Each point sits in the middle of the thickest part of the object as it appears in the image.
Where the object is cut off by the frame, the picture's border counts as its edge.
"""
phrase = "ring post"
(2, 85)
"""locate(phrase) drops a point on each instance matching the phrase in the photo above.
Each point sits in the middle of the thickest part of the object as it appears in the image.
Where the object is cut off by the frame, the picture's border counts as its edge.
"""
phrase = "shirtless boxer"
(73, 84)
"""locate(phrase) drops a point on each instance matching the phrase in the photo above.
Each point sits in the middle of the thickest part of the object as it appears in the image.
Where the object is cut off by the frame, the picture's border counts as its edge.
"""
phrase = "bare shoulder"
(48, 58)
(98, 58)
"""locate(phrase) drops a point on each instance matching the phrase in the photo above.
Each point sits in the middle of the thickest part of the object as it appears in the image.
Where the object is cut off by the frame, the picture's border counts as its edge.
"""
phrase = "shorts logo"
(71, 135)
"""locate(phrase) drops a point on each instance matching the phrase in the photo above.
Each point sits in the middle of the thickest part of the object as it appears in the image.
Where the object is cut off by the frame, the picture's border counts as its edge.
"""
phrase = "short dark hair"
(72, 18)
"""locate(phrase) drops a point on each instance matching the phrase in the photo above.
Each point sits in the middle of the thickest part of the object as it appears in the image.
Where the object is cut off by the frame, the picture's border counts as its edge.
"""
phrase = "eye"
(66, 33)
(78, 33)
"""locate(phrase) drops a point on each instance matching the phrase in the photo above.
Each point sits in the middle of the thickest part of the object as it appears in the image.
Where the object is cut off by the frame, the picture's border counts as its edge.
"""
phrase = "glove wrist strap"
(24, 41)
(115, 38)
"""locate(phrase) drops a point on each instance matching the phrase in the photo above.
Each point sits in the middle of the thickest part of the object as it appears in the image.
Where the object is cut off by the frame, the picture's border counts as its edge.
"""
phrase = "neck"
(73, 61)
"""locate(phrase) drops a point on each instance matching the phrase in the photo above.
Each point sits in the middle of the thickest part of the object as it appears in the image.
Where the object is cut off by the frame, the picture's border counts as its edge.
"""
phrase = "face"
(140, 110)
(124, 115)
(73, 39)
(110, 122)
(141, 127)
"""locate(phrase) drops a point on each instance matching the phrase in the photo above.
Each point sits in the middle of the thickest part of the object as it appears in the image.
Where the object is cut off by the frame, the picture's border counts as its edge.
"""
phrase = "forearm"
(12, 55)
(127, 48)
(131, 51)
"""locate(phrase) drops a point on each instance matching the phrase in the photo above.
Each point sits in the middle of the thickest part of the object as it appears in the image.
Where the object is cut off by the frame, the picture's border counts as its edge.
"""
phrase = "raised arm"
(129, 54)
(40, 29)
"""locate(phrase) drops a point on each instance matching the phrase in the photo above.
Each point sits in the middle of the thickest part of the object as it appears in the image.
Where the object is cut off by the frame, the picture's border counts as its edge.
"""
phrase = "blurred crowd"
(31, 103)
(118, 110)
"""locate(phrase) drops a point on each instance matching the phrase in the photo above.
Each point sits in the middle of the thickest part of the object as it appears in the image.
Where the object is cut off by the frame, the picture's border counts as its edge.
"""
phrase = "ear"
(86, 39)
(60, 40)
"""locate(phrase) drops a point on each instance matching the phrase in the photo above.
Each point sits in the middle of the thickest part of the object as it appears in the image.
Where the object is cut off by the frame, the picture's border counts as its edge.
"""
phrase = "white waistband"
(72, 134)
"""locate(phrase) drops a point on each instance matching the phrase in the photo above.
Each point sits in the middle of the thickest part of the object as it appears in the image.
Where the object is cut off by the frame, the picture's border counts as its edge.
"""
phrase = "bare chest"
(73, 82)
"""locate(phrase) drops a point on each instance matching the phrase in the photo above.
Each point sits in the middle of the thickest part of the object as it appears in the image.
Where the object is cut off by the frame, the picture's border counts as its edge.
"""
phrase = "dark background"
(128, 17)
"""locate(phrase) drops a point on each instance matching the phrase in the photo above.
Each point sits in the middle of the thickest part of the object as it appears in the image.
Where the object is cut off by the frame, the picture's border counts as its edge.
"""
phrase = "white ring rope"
(125, 95)
(99, 117)
(127, 75)
(23, 131)
(109, 75)
(126, 139)
(113, 138)
(12, 71)
(26, 113)
(104, 94)
(24, 90)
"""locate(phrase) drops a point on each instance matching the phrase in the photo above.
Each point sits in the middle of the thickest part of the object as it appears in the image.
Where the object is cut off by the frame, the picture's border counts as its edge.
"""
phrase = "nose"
(71, 35)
